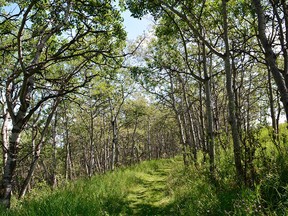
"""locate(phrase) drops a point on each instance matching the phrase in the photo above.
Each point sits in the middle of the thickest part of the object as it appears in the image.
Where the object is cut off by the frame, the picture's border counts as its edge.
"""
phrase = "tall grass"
(189, 190)
(195, 194)
(101, 195)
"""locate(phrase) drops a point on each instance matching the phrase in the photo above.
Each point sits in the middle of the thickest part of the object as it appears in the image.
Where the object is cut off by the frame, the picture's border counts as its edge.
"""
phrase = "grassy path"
(162, 188)
(150, 195)
(144, 189)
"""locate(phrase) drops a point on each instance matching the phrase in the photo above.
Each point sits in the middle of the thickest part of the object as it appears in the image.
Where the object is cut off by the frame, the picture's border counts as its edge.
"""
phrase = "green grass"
(137, 190)
(163, 187)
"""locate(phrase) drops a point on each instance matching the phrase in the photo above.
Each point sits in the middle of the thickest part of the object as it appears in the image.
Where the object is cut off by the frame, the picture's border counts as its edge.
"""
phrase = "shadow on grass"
(149, 197)
(147, 210)
(124, 207)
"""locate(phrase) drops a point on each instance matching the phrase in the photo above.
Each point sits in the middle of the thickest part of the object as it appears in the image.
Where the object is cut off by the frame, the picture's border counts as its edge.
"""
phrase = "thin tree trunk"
(91, 144)
(202, 137)
(114, 157)
(190, 129)
(114, 112)
(68, 163)
(5, 137)
(149, 139)
(179, 122)
(186, 128)
(134, 142)
(37, 151)
(209, 113)
(85, 159)
(54, 154)
(272, 113)
(231, 97)
(108, 156)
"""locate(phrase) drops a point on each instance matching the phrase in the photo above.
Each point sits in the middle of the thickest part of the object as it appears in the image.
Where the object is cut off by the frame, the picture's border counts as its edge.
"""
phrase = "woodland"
(208, 86)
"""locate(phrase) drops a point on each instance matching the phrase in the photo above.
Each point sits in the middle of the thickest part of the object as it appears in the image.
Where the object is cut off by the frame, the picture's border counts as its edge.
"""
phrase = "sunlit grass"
(108, 194)
(165, 187)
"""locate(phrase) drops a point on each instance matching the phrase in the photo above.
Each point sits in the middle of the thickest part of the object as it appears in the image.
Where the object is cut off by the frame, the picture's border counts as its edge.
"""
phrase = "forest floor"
(150, 195)
(153, 188)
(143, 189)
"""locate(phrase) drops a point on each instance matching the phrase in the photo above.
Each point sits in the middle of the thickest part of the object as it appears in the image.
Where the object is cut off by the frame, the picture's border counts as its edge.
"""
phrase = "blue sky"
(135, 27)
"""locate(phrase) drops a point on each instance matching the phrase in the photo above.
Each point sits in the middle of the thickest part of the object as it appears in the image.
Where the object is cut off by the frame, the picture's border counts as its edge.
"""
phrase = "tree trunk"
(275, 131)
(149, 149)
(54, 154)
(270, 56)
(91, 144)
(5, 137)
(10, 166)
(231, 97)
(202, 128)
(68, 162)
(18, 122)
(190, 136)
(133, 148)
(179, 122)
(37, 151)
(114, 159)
(68, 166)
(209, 113)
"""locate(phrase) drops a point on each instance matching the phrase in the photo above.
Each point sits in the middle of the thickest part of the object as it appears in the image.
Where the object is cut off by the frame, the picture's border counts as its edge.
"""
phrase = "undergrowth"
(187, 191)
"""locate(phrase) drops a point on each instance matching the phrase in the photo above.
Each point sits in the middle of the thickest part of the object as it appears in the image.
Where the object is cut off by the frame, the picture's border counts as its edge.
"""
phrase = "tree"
(38, 147)
(275, 43)
(193, 21)
(48, 45)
